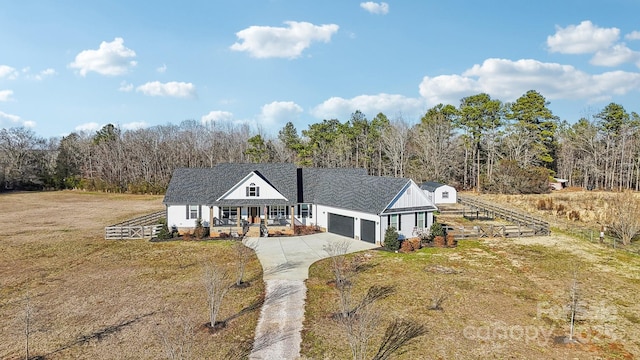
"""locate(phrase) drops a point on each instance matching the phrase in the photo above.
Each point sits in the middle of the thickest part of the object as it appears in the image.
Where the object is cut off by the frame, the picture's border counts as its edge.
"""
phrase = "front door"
(254, 216)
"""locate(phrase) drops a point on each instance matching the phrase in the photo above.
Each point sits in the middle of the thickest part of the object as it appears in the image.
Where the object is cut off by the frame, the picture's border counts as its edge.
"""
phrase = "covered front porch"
(252, 220)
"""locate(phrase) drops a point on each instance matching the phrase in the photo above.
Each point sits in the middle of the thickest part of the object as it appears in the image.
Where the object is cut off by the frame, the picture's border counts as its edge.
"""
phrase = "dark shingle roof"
(357, 192)
(350, 189)
(205, 185)
(430, 186)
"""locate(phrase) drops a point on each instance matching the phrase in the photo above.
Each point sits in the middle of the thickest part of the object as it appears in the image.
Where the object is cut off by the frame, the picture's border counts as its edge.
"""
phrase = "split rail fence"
(522, 224)
(143, 227)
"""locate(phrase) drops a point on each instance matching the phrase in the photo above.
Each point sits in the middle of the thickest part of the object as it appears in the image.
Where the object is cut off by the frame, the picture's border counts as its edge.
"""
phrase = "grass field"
(505, 299)
(89, 298)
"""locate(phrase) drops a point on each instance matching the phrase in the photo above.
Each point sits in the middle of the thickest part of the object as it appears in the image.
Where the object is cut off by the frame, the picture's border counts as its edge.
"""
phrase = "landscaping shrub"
(391, 241)
(164, 233)
(200, 232)
(406, 247)
(439, 241)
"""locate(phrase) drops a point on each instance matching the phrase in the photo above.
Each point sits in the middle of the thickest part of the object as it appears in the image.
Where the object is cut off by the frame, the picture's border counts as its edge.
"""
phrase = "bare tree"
(242, 254)
(395, 138)
(176, 334)
(216, 282)
(623, 216)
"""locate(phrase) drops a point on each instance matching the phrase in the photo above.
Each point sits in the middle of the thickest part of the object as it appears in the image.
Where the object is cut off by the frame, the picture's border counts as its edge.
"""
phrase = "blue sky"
(77, 65)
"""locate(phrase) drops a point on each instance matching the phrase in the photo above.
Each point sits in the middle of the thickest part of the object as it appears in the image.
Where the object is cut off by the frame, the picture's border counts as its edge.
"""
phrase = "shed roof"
(430, 186)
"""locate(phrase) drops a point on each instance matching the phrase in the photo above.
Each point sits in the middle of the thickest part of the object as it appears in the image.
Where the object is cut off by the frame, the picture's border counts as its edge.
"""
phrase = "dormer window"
(253, 190)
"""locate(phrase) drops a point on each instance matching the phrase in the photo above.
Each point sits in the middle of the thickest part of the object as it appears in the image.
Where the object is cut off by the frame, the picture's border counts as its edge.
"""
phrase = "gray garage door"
(368, 231)
(341, 225)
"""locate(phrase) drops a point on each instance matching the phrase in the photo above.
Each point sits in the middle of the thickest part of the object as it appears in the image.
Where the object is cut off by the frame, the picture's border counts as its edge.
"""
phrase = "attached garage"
(368, 231)
(341, 225)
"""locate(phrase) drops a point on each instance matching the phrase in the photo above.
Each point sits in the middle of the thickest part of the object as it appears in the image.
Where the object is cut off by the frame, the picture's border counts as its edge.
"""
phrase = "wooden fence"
(142, 227)
(523, 224)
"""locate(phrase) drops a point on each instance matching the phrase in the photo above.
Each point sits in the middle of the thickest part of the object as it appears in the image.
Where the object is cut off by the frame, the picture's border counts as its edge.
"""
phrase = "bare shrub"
(216, 282)
(623, 217)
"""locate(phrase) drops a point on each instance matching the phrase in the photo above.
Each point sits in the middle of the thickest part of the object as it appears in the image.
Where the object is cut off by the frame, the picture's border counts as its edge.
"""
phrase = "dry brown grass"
(99, 299)
(496, 291)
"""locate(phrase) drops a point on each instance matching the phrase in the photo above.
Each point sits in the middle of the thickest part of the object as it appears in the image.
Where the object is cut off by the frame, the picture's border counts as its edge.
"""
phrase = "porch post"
(210, 218)
(238, 215)
(293, 217)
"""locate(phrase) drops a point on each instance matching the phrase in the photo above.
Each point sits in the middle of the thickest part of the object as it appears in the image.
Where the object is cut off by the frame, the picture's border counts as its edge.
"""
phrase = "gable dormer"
(253, 186)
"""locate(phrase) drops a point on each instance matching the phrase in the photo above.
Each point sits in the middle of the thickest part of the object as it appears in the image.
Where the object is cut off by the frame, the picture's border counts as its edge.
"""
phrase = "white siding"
(177, 216)
(239, 191)
(407, 224)
(322, 218)
(411, 196)
(439, 198)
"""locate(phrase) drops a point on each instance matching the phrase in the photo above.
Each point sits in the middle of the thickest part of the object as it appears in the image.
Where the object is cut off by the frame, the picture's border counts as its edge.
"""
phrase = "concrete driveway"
(285, 262)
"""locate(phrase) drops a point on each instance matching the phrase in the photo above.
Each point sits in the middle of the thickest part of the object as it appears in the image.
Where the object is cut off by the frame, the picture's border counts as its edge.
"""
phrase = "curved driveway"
(286, 261)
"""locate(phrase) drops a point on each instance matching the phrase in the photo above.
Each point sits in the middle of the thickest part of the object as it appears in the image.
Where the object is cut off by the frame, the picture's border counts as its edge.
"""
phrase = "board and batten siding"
(239, 191)
(410, 196)
(177, 216)
(322, 218)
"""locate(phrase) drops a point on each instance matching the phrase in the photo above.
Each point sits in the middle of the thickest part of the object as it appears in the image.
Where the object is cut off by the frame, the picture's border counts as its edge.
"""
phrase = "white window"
(304, 210)
(277, 212)
(229, 212)
(394, 220)
(445, 194)
(253, 190)
(420, 224)
(192, 212)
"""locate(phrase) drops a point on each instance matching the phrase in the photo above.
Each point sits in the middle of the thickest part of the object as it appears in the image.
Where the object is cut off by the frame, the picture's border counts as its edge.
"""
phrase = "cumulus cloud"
(8, 72)
(507, 80)
(375, 8)
(282, 42)
(170, 89)
(10, 120)
(162, 69)
(125, 87)
(111, 58)
(44, 73)
(616, 55)
(634, 35)
(279, 112)
(370, 105)
(88, 127)
(5, 95)
(135, 125)
(584, 38)
(217, 116)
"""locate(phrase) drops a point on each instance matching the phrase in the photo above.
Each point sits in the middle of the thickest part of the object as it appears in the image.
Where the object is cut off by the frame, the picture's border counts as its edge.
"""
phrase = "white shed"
(439, 193)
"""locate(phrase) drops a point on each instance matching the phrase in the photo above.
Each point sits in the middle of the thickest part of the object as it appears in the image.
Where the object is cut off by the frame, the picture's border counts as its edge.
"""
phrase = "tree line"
(483, 144)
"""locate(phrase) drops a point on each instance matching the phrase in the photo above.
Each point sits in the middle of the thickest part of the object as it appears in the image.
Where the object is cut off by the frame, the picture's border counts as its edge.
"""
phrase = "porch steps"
(254, 231)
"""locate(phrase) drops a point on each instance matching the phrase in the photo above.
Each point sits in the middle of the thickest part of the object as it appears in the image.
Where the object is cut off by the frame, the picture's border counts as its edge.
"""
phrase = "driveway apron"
(285, 262)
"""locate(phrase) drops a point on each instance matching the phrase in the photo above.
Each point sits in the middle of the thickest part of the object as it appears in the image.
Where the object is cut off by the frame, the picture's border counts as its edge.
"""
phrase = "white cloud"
(370, 105)
(282, 42)
(217, 116)
(171, 89)
(42, 74)
(9, 120)
(8, 72)
(162, 68)
(634, 35)
(582, 39)
(616, 55)
(375, 8)
(507, 80)
(125, 86)
(111, 58)
(135, 125)
(5, 95)
(88, 127)
(279, 112)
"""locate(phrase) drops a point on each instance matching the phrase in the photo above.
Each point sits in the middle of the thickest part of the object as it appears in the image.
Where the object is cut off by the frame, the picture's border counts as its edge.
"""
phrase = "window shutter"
(399, 222)
(200, 212)
(388, 220)
(187, 216)
(247, 191)
(257, 191)
(415, 218)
